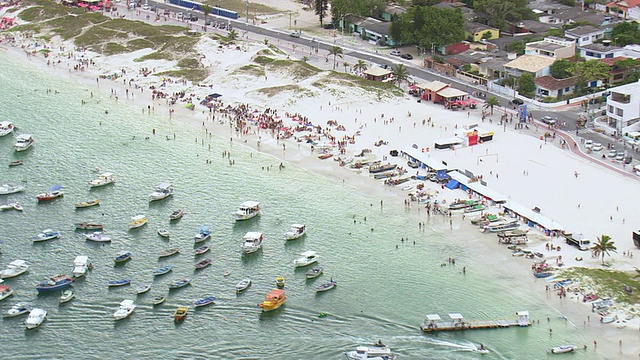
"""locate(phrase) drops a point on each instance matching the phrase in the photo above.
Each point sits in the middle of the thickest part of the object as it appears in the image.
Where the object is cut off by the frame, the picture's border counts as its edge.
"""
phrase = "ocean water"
(385, 286)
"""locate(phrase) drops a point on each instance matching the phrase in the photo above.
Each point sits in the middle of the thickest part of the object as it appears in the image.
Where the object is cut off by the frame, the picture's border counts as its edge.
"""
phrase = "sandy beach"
(571, 190)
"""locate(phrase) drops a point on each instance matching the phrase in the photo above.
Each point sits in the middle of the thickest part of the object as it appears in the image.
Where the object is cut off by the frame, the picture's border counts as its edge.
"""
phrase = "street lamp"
(615, 42)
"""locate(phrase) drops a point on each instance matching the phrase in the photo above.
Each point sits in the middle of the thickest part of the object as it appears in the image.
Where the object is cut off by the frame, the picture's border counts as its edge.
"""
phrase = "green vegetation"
(251, 69)
(608, 283)
(427, 26)
(498, 13)
(263, 60)
(273, 91)
(193, 75)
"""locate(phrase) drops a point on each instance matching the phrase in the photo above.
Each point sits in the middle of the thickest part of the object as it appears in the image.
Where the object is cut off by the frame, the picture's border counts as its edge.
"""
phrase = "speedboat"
(163, 190)
(86, 204)
(296, 231)
(23, 142)
(243, 285)
(308, 258)
(203, 264)
(204, 302)
(97, 236)
(53, 193)
(116, 283)
(168, 252)
(80, 266)
(11, 206)
(138, 221)
(88, 226)
(5, 292)
(202, 249)
(122, 257)
(45, 235)
(563, 349)
(6, 127)
(18, 309)
(15, 268)
(326, 286)
(371, 353)
(67, 296)
(163, 270)
(126, 308)
(202, 235)
(247, 210)
(179, 284)
(252, 242)
(7, 189)
(102, 180)
(36, 318)
(180, 313)
(143, 289)
(54, 283)
(314, 273)
(164, 233)
(176, 214)
(273, 300)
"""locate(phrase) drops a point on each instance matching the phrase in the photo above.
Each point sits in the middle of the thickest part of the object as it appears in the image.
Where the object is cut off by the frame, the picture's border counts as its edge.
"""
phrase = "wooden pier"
(457, 322)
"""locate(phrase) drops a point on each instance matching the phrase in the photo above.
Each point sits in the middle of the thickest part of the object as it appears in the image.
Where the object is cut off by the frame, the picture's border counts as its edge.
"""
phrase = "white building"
(584, 35)
(623, 107)
(551, 46)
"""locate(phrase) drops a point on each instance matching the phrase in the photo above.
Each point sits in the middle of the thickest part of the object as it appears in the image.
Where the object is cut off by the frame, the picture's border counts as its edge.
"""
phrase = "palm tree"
(266, 41)
(400, 74)
(360, 66)
(604, 246)
(232, 35)
(346, 66)
(336, 51)
(293, 47)
(206, 10)
(305, 59)
(491, 102)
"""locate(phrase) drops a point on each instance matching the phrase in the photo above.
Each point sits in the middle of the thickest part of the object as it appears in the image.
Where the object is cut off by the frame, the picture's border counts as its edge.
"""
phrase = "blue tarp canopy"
(452, 184)
(215, 95)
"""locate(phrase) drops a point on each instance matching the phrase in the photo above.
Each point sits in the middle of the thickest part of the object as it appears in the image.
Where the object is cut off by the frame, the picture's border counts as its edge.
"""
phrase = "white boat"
(138, 221)
(11, 206)
(163, 190)
(308, 258)
(36, 318)
(5, 292)
(67, 296)
(563, 349)
(45, 235)
(164, 233)
(102, 180)
(125, 309)
(7, 189)
(371, 353)
(143, 288)
(97, 236)
(247, 210)
(243, 285)
(80, 266)
(326, 286)
(252, 242)
(6, 127)
(15, 268)
(23, 142)
(18, 309)
(296, 231)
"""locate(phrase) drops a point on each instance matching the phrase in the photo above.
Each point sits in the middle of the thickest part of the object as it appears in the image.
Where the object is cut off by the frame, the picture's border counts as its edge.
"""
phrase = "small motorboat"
(7, 189)
(159, 299)
(116, 283)
(14, 268)
(67, 296)
(162, 191)
(45, 235)
(164, 233)
(203, 264)
(18, 309)
(97, 236)
(204, 302)
(162, 270)
(247, 210)
(6, 128)
(280, 281)
(296, 231)
(168, 252)
(123, 256)
(179, 284)
(202, 235)
(180, 313)
(243, 285)
(11, 206)
(375, 352)
(176, 214)
(23, 142)
(54, 283)
(563, 349)
(53, 193)
(36, 318)
(202, 249)
(86, 204)
(16, 162)
(5, 292)
(308, 258)
(102, 180)
(314, 273)
(88, 226)
(138, 221)
(143, 288)
(126, 308)
(326, 286)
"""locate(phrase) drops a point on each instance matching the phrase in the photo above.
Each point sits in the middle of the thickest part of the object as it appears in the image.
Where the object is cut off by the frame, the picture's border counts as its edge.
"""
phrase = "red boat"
(53, 193)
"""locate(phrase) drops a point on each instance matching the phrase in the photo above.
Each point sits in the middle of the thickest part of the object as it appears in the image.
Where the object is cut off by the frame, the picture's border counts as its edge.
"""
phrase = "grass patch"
(265, 52)
(97, 35)
(189, 63)
(193, 75)
(139, 44)
(608, 283)
(276, 49)
(263, 60)
(299, 91)
(298, 69)
(240, 7)
(112, 48)
(250, 69)
(156, 55)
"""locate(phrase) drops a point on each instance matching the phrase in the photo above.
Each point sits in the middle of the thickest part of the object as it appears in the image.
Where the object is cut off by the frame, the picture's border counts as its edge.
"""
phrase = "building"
(601, 50)
(553, 47)
(584, 35)
(548, 86)
(477, 31)
(374, 30)
(431, 91)
(533, 64)
(620, 8)
(376, 73)
(623, 107)
(617, 74)
(392, 11)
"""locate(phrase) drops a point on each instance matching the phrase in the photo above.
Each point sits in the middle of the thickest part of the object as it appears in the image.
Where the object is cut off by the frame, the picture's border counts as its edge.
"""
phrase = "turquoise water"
(383, 292)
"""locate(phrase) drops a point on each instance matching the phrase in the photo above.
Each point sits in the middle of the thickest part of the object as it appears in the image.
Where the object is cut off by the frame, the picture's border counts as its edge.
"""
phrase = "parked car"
(222, 26)
(406, 56)
(145, 7)
(395, 52)
(180, 16)
(596, 147)
(545, 119)
(517, 102)
(612, 153)
(329, 26)
(619, 156)
(588, 144)
(193, 18)
(627, 159)
(295, 34)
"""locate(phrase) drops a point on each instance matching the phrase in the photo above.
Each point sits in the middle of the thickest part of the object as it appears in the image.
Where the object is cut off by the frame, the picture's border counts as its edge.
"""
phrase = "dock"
(457, 322)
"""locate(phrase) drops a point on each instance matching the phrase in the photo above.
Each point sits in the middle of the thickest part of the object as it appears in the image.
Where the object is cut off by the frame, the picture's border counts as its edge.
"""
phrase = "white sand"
(549, 182)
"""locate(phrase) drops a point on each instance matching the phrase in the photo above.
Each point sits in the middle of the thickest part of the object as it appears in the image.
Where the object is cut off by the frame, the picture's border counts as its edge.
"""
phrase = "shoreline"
(303, 160)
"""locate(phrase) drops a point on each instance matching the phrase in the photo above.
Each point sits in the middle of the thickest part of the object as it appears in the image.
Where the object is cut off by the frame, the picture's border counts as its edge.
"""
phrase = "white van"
(636, 169)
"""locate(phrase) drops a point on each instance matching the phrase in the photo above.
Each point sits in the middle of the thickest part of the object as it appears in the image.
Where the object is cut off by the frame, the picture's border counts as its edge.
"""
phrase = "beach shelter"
(214, 95)
(452, 184)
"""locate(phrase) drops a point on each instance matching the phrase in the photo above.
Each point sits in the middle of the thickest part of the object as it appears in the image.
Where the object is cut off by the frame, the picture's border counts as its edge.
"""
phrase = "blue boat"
(123, 282)
(204, 302)
(541, 275)
(203, 235)
(54, 283)
(162, 270)
(180, 283)
(123, 256)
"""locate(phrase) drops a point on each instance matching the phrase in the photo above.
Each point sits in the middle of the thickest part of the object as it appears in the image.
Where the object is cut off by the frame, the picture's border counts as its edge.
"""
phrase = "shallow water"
(382, 293)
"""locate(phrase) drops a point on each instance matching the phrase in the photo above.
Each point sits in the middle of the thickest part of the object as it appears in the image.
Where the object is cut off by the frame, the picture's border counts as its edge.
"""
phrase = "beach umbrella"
(94, 8)
(83, 5)
(413, 87)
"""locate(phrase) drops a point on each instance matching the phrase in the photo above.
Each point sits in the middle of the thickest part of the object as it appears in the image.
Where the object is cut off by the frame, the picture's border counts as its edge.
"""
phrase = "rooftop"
(551, 83)
(633, 88)
(530, 63)
(377, 71)
(582, 31)
(600, 47)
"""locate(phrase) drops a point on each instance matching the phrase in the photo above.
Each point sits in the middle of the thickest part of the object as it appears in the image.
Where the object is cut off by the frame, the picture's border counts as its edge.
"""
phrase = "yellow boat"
(273, 300)
(280, 281)
(85, 204)
(137, 221)
(180, 313)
